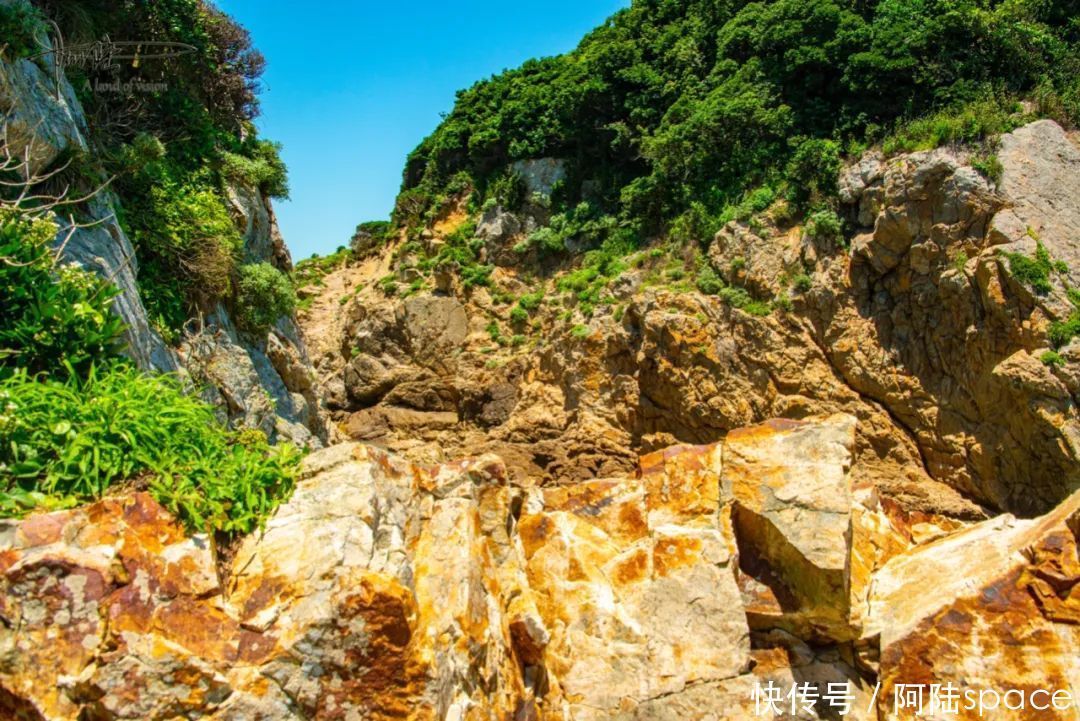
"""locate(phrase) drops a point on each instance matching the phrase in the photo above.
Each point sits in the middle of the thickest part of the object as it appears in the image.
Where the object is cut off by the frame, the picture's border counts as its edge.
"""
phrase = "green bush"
(1052, 359)
(263, 295)
(68, 441)
(813, 169)
(803, 282)
(311, 271)
(259, 166)
(1033, 272)
(21, 29)
(1061, 332)
(707, 281)
(986, 117)
(989, 166)
(531, 301)
(518, 315)
(188, 229)
(741, 299)
(825, 225)
(53, 318)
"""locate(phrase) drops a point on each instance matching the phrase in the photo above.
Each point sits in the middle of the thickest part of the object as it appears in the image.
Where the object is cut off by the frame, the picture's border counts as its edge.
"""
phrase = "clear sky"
(352, 87)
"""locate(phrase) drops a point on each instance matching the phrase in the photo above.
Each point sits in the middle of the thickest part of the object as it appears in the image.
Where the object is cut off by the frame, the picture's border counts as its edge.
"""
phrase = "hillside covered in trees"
(675, 112)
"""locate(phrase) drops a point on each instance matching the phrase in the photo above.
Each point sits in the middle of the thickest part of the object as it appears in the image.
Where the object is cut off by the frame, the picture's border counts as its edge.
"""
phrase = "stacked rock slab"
(384, 590)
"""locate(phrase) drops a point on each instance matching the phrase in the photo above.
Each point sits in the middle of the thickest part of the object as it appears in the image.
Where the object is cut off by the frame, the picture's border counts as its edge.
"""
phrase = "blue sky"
(352, 87)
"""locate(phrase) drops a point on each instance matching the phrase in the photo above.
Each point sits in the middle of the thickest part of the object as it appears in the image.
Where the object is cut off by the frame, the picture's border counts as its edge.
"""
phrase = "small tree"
(263, 294)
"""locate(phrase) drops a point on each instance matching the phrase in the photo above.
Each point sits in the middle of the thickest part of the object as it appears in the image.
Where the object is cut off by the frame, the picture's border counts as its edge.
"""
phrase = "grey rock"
(1041, 181)
(541, 174)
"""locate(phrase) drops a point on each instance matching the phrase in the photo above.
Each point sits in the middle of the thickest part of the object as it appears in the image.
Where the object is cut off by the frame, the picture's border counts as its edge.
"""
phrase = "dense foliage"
(20, 30)
(175, 131)
(53, 319)
(63, 441)
(76, 418)
(674, 111)
(264, 294)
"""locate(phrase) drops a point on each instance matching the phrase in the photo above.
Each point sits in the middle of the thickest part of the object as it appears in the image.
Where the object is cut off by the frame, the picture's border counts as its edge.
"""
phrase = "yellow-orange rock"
(993, 608)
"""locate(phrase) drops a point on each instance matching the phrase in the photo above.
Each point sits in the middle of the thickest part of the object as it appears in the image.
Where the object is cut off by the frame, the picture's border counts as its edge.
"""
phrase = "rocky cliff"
(262, 382)
(917, 325)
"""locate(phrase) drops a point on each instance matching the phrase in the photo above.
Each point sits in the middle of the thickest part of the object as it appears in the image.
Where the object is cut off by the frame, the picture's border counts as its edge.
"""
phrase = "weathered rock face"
(930, 322)
(920, 330)
(264, 383)
(386, 590)
(1002, 612)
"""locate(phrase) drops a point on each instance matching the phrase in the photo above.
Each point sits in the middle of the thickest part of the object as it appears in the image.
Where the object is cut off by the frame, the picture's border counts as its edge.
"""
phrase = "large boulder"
(991, 609)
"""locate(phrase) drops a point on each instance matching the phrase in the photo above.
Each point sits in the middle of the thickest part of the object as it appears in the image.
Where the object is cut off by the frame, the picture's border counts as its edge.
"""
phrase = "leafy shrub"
(1033, 272)
(188, 230)
(969, 122)
(741, 299)
(21, 29)
(579, 331)
(508, 190)
(263, 294)
(67, 441)
(518, 315)
(531, 301)
(311, 271)
(370, 235)
(1052, 359)
(803, 282)
(476, 275)
(1061, 332)
(989, 166)
(54, 319)
(388, 284)
(813, 169)
(825, 225)
(671, 104)
(708, 281)
(259, 166)
(695, 224)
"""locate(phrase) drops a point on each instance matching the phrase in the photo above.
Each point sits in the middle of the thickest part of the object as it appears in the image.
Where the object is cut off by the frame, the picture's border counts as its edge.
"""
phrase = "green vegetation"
(825, 225)
(1033, 272)
(1063, 331)
(802, 283)
(263, 295)
(987, 116)
(311, 271)
(989, 166)
(674, 118)
(22, 30)
(1052, 359)
(259, 167)
(960, 261)
(65, 441)
(76, 419)
(53, 319)
(175, 151)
